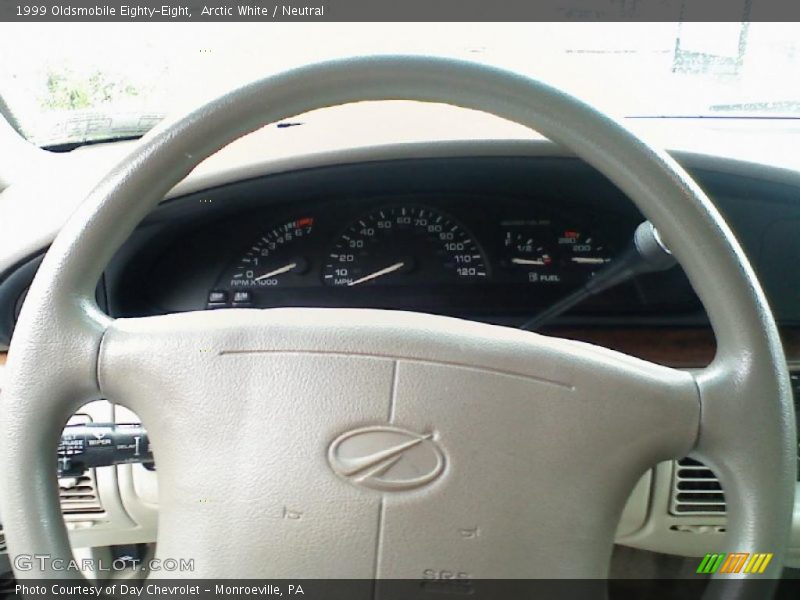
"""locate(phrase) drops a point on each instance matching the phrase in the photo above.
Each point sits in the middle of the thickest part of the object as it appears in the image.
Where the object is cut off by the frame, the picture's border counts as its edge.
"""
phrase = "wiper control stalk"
(84, 447)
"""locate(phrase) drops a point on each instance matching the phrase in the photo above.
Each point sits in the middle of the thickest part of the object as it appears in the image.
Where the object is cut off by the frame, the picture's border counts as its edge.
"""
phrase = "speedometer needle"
(385, 271)
(279, 271)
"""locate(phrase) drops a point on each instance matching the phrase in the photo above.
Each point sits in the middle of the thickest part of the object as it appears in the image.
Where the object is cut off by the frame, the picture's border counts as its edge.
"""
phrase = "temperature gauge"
(579, 248)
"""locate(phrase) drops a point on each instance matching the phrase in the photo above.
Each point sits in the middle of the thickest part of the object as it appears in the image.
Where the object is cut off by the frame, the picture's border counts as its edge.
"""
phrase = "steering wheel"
(366, 443)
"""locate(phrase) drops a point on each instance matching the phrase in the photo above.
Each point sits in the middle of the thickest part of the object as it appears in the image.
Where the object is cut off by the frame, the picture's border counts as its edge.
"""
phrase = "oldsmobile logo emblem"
(386, 458)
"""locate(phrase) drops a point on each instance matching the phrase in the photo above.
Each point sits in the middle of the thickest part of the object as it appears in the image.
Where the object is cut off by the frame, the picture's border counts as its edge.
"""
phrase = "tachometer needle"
(279, 271)
(385, 271)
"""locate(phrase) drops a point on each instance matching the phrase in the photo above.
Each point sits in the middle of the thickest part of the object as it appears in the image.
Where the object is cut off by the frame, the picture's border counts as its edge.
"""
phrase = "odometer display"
(403, 245)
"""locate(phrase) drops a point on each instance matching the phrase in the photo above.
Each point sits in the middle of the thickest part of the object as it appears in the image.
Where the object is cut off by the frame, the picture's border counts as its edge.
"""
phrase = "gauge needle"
(279, 271)
(385, 271)
(586, 260)
(527, 261)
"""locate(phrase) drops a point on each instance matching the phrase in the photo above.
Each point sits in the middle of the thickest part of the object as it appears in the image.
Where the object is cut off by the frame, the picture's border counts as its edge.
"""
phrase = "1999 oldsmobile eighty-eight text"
(169, 11)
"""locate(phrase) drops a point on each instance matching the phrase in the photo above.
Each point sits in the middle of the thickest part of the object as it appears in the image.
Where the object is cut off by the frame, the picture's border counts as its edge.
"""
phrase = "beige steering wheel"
(387, 432)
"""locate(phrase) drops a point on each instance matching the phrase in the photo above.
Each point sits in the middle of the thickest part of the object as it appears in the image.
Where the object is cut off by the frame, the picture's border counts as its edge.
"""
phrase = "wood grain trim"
(681, 347)
(674, 347)
(684, 347)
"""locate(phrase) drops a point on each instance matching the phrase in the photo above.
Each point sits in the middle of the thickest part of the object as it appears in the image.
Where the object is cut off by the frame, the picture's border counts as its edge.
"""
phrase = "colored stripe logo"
(735, 562)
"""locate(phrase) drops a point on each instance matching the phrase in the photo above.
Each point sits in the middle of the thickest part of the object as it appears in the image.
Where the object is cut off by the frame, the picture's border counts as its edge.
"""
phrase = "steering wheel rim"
(54, 365)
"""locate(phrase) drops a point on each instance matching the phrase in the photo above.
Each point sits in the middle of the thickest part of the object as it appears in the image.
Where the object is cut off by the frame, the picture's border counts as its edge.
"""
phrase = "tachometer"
(401, 245)
(275, 259)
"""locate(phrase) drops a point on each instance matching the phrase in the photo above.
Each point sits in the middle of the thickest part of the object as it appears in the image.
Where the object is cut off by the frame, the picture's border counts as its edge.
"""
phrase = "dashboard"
(490, 238)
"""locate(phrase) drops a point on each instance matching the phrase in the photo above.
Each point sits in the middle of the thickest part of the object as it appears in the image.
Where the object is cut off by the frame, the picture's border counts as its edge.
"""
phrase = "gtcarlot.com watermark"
(45, 562)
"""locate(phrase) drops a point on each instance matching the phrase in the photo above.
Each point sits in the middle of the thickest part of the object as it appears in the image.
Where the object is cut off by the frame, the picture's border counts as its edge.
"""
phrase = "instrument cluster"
(437, 253)
(489, 238)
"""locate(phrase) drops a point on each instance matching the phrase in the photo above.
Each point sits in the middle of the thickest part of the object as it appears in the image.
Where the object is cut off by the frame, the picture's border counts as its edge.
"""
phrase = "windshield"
(117, 80)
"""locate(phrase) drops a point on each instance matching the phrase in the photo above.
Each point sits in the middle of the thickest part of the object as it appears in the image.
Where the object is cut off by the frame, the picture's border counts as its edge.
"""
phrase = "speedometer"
(400, 245)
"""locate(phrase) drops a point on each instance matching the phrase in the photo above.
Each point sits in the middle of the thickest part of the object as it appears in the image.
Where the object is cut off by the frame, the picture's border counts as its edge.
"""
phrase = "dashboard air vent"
(696, 490)
(79, 495)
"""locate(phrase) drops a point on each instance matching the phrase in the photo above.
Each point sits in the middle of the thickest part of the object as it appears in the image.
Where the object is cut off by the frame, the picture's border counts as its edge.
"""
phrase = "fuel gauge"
(528, 253)
(525, 249)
